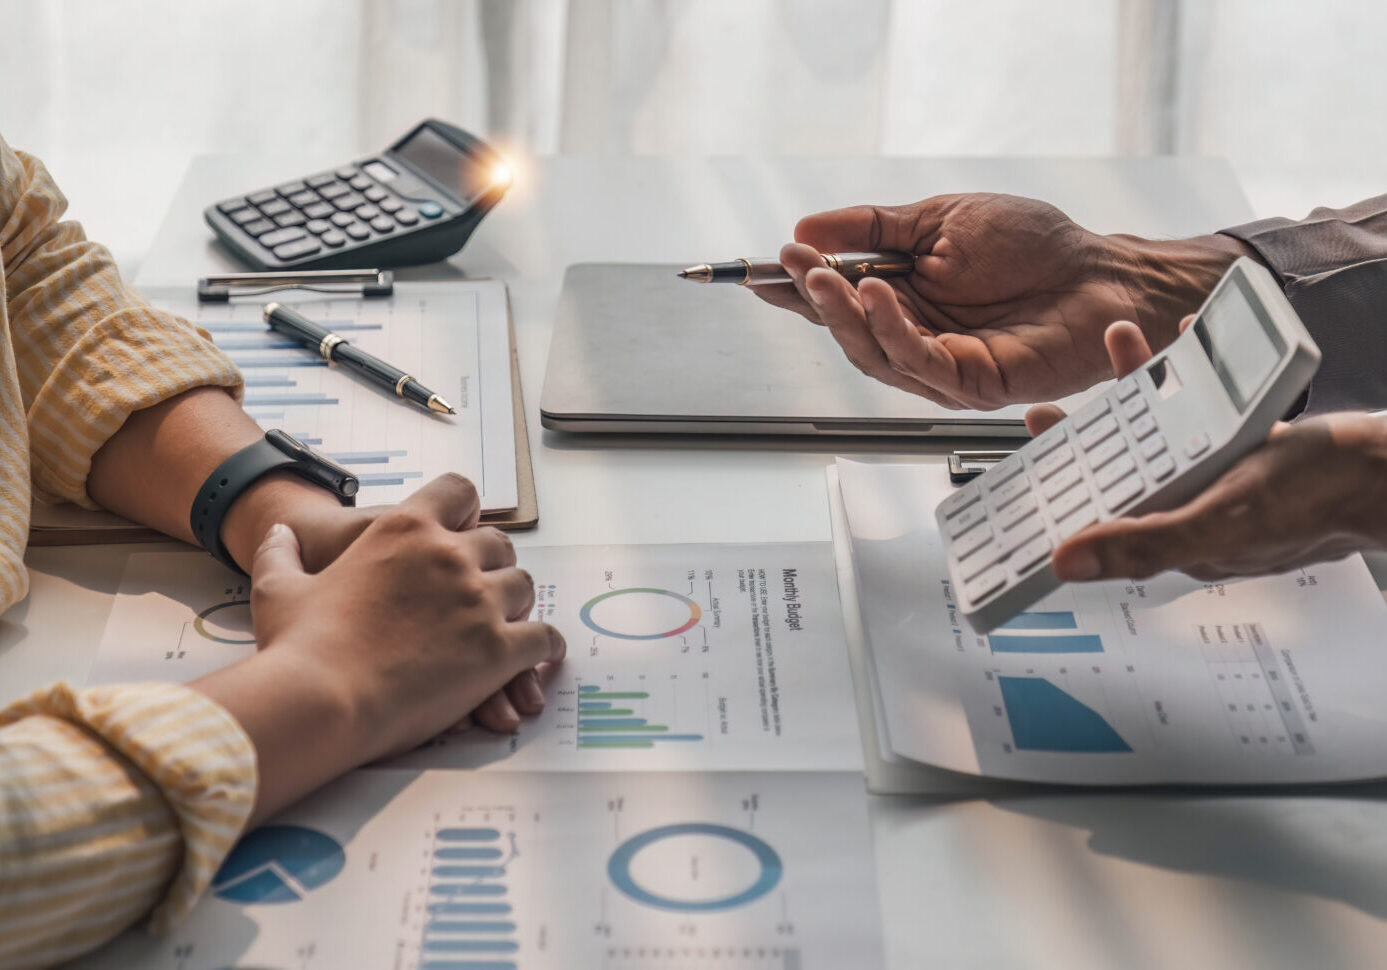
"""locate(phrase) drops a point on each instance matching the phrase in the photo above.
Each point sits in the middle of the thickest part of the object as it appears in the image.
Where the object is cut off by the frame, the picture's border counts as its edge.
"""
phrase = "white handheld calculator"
(1152, 441)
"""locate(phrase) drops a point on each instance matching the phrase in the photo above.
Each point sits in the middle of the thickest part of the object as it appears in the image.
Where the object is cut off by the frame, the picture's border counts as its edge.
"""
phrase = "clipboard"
(71, 526)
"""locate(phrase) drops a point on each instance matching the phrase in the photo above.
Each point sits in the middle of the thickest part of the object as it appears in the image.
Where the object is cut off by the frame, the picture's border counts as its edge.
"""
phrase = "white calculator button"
(1054, 461)
(966, 519)
(1091, 413)
(1127, 388)
(1046, 443)
(960, 500)
(1016, 511)
(1062, 482)
(986, 556)
(1068, 502)
(1034, 552)
(1115, 471)
(966, 544)
(1144, 427)
(1106, 452)
(986, 584)
(1030, 526)
(1152, 447)
(1004, 471)
(1010, 492)
(1134, 408)
(1082, 518)
(1123, 492)
(1099, 432)
(1162, 468)
(1196, 444)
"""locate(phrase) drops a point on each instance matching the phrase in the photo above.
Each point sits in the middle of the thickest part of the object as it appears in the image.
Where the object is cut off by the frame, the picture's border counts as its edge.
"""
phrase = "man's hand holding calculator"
(1313, 492)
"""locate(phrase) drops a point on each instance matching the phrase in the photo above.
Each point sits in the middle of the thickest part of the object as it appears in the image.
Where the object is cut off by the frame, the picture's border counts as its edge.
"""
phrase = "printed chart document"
(454, 337)
(405, 870)
(680, 658)
(1271, 680)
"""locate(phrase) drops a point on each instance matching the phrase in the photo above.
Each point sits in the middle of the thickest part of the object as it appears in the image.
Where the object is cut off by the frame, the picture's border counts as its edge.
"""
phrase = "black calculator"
(416, 202)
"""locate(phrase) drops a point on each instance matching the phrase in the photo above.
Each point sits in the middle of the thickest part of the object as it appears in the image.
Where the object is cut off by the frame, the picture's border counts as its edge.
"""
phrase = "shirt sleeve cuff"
(189, 746)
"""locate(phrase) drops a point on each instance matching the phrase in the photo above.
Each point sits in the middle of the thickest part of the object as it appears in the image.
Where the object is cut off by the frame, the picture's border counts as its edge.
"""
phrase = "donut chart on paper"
(633, 598)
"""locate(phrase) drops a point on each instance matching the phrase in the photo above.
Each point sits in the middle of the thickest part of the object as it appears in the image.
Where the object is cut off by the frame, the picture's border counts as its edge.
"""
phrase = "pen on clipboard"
(334, 348)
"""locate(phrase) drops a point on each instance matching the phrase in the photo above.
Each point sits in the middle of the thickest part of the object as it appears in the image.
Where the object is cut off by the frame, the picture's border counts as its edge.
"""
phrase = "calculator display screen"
(457, 171)
(1241, 341)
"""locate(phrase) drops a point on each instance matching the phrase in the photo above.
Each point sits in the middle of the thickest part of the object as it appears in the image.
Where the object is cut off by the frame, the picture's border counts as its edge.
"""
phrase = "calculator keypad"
(1005, 524)
(300, 218)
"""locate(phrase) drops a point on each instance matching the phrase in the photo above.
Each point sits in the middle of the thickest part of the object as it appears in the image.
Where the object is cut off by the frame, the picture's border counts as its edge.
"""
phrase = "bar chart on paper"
(451, 337)
(680, 658)
(1166, 679)
(447, 870)
(609, 719)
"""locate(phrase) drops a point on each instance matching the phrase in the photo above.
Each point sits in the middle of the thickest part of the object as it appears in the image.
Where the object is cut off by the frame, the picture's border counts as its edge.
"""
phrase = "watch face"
(287, 443)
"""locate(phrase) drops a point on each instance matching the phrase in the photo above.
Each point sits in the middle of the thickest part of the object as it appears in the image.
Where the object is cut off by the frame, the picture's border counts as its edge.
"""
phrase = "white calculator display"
(1152, 441)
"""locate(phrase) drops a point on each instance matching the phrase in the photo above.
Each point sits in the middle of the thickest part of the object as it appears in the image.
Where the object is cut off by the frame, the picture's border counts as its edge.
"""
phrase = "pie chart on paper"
(278, 864)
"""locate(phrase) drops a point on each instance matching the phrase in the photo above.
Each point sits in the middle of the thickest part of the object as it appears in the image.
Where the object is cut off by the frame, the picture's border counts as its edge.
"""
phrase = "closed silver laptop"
(636, 349)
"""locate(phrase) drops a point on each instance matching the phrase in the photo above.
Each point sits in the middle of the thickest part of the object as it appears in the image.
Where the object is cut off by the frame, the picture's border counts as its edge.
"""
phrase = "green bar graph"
(602, 725)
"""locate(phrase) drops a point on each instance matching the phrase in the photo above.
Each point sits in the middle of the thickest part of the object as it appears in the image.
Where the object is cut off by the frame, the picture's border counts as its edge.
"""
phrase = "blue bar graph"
(1041, 621)
(1045, 718)
(457, 926)
(466, 852)
(267, 342)
(471, 946)
(588, 689)
(595, 705)
(472, 919)
(468, 835)
(587, 722)
(365, 457)
(255, 326)
(288, 400)
(469, 872)
(469, 909)
(630, 740)
(306, 438)
(387, 478)
(267, 416)
(1070, 643)
(270, 380)
(296, 360)
(468, 889)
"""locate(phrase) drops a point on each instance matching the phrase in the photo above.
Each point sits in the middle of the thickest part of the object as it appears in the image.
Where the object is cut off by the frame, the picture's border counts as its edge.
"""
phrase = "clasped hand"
(421, 614)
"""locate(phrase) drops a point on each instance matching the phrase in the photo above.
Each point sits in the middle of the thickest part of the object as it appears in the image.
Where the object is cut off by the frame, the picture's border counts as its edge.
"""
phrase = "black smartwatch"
(276, 451)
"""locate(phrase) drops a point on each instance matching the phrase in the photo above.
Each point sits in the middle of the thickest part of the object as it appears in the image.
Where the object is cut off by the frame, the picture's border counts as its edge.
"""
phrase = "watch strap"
(276, 451)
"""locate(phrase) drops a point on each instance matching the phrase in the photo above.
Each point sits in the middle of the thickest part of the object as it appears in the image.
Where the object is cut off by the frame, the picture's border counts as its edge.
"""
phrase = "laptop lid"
(637, 349)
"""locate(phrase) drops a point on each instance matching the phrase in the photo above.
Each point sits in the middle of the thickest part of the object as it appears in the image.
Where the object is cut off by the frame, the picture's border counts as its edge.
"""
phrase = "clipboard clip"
(221, 287)
(964, 466)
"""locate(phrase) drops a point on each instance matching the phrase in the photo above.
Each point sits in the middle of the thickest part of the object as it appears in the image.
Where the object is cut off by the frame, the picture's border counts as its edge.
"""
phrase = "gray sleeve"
(1333, 268)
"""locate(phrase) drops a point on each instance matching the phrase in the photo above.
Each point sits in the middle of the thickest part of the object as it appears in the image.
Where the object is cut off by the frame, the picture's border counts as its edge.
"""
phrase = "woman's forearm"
(150, 470)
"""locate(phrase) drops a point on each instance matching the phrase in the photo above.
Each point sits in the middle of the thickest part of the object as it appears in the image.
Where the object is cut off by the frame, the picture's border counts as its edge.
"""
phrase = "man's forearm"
(150, 470)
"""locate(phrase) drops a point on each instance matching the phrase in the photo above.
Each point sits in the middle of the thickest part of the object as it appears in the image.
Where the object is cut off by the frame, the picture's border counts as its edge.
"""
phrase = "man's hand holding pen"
(1007, 299)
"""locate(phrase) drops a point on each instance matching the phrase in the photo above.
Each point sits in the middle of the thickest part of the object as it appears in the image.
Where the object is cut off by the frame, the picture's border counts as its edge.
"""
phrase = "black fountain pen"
(764, 271)
(334, 348)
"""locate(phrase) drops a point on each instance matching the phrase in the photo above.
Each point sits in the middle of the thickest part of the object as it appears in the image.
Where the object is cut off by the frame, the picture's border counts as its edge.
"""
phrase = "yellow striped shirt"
(115, 802)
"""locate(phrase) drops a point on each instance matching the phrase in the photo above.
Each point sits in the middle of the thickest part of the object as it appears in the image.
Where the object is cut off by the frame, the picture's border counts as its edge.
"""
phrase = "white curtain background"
(118, 96)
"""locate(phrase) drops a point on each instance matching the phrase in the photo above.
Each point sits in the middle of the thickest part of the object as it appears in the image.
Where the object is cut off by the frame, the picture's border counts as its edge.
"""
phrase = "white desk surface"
(1067, 881)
